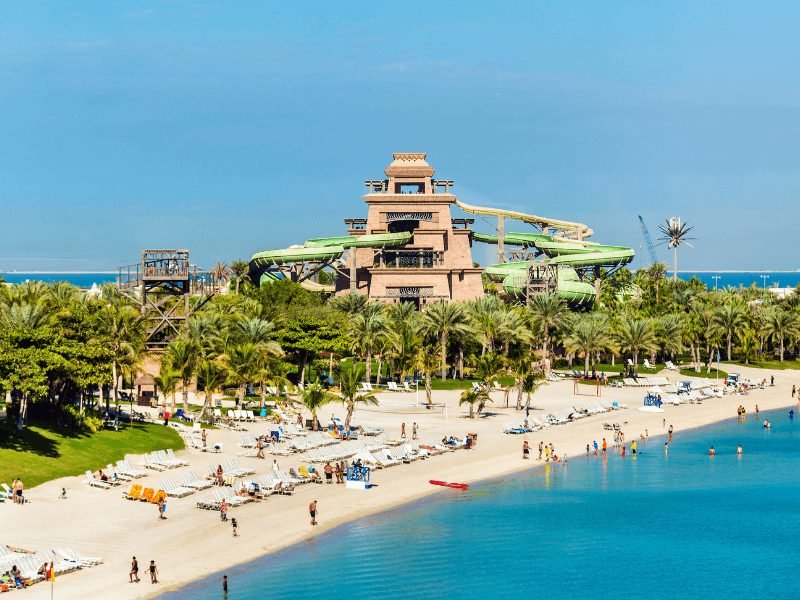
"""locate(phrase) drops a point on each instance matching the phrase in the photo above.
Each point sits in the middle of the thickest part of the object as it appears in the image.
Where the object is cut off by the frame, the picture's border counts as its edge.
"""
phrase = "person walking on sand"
(153, 572)
(414, 430)
(134, 574)
(260, 448)
(235, 526)
(203, 437)
(794, 390)
(547, 454)
(403, 430)
(275, 466)
(328, 473)
(526, 450)
(541, 449)
(223, 511)
(312, 510)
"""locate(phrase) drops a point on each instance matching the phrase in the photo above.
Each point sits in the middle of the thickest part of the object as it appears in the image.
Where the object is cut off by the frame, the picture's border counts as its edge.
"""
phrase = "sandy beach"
(193, 543)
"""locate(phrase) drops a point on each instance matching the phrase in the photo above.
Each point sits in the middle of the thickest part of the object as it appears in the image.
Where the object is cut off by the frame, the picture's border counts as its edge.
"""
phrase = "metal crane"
(646, 235)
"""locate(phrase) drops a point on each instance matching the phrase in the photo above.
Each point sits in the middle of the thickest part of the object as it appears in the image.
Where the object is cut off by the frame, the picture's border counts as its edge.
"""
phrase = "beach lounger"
(134, 493)
(99, 483)
(147, 495)
(171, 488)
(124, 467)
(670, 366)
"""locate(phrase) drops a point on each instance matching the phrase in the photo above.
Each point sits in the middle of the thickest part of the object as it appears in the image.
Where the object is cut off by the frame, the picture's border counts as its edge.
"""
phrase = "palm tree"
(656, 273)
(366, 329)
(635, 336)
(547, 311)
(351, 303)
(403, 336)
(239, 269)
(729, 322)
(748, 344)
(442, 320)
(473, 396)
(351, 395)
(588, 335)
(220, 272)
(427, 361)
(780, 324)
(210, 377)
(242, 362)
(314, 397)
(167, 381)
(182, 357)
(675, 233)
(529, 386)
(670, 333)
(125, 331)
(484, 315)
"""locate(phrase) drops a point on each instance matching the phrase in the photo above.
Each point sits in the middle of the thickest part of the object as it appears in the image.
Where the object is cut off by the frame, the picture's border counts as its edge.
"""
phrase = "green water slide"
(567, 255)
(267, 265)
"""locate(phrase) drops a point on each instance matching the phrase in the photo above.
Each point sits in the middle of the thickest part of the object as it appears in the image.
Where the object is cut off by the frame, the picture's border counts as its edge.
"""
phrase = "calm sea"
(682, 526)
(743, 278)
(82, 280)
(726, 278)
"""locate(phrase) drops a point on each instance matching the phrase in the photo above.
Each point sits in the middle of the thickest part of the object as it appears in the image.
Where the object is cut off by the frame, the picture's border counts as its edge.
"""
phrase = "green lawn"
(40, 453)
(703, 373)
(769, 364)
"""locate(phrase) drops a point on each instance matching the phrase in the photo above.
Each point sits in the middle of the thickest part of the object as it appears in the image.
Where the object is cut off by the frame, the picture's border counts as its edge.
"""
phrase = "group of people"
(14, 577)
(713, 452)
(338, 469)
(133, 576)
(414, 430)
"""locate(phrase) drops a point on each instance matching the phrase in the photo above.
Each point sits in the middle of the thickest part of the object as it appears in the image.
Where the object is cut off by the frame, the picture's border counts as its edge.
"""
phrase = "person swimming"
(767, 424)
(739, 449)
(791, 414)
(711, 451)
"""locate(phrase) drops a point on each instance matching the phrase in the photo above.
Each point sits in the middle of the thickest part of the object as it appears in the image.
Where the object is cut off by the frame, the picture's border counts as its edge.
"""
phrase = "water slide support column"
(501, 255)
(352, 258)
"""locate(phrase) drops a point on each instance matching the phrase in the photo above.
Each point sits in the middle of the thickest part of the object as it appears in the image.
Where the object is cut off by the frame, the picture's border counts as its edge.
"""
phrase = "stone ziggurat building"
(436, 264)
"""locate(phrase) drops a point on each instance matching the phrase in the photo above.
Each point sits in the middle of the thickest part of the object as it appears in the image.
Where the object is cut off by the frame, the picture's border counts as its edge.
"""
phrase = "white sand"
(193, 543)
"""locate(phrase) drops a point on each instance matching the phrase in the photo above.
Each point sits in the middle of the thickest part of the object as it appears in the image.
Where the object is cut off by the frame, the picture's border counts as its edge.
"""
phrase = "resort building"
(435, 263)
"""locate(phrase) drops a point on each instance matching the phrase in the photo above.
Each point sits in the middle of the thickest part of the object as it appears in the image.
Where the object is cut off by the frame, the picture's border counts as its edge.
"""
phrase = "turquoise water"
(737, 279)
(82, 280)
(684, 526)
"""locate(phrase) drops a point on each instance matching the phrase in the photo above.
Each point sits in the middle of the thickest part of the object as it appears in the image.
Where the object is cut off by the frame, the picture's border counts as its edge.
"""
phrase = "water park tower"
(435, 261)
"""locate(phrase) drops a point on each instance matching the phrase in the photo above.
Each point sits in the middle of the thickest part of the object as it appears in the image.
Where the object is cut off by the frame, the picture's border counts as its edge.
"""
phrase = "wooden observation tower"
(163, 285)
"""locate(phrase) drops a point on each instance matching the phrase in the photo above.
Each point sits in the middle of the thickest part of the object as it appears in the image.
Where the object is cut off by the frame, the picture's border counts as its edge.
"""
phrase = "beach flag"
(51, 573)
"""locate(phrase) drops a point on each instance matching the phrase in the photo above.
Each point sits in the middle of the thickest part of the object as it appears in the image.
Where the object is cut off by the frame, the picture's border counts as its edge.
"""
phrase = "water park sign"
(409, 216)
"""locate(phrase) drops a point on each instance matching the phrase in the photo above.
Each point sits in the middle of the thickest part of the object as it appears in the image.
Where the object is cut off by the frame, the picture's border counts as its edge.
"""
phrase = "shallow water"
(682, 525)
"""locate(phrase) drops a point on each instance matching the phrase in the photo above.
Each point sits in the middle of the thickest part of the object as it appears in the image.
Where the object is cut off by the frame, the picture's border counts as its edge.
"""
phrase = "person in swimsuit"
(312, 510)
(711, 451)
(328, 473)
(153, 572)
(134, 574)
(526, 450)
(739, 450)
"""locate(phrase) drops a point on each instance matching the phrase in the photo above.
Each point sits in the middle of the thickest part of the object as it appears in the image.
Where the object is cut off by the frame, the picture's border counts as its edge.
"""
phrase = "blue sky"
(229, 128)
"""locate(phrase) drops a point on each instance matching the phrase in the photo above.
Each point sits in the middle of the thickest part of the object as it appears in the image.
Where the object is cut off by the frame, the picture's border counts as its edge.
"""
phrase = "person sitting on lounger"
(314, 474)
(243, 491)
(42, 570)
(101, 476)
(16, 575)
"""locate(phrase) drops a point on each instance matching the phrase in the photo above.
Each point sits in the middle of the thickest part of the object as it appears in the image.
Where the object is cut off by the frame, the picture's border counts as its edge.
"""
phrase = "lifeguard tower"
(161, 286)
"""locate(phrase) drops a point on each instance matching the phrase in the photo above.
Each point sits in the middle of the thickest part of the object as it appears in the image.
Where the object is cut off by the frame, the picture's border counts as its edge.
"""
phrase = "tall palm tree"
(635, 336)
(427, 361)
(242, 362)
(314, 397)
(403, 336)
(182, 356)
(365, 330)
(351, 395)
(675, 233)
(547, 311)
(124, 330)
(239, 270)
(729, 321)
(210, 377)
(780, 324)
(670, 333)
(220, 272)
(167, 382)
(484, 315)
(588, 335)
(442, 320)
(529, 385)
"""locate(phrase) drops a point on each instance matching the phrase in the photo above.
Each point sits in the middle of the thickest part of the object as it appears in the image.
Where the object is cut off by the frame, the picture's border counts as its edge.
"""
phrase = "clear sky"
(233, 127)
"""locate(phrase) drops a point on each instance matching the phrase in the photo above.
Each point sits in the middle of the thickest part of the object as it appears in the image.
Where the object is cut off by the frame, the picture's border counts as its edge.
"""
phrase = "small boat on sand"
(457, 486)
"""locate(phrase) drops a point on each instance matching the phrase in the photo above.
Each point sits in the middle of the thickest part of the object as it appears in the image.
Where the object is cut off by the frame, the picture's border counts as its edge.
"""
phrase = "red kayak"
(458, 486)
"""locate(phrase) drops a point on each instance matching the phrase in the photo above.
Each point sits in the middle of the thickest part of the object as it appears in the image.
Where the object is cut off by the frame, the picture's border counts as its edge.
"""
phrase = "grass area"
(768, 364)
(40, 453)
(703, 373)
